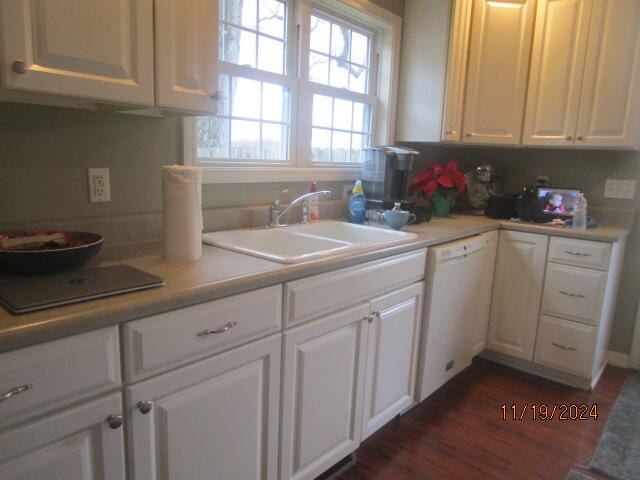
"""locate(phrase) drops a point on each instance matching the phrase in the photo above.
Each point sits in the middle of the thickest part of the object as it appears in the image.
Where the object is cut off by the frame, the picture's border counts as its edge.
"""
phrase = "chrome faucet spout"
(275, 214)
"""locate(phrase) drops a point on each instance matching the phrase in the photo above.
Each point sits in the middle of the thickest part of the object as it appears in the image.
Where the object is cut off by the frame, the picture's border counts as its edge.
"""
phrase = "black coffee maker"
(384, 174)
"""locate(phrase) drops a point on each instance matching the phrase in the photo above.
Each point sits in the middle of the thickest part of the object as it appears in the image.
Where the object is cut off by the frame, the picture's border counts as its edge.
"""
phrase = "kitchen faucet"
(275, 213)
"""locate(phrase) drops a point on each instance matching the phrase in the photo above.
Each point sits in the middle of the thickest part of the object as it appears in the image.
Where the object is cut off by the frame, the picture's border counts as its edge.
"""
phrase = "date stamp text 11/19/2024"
(544, 411)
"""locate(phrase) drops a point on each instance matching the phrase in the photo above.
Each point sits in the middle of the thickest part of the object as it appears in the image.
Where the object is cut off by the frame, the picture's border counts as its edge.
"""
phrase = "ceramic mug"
(398, 219)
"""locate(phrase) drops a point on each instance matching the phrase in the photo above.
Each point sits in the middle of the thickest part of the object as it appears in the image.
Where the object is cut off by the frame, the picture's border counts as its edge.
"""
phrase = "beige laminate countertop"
(220, 273)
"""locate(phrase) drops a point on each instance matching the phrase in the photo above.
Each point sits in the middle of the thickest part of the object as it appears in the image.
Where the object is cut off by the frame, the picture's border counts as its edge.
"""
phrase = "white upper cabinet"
(457, 72)
(92, 49)
(584, 88)
(610, 101)
(557, 65)
(498, 69)
(186, 50)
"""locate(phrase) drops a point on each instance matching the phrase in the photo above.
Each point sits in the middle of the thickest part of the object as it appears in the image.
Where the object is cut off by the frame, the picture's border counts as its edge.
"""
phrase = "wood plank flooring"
(459, 432)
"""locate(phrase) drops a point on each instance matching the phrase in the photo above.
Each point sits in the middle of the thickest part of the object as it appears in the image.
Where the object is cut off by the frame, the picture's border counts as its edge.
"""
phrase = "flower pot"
(442, 205)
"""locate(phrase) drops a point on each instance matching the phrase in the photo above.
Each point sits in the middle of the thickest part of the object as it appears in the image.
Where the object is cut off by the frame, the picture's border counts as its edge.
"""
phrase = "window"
(286, 125)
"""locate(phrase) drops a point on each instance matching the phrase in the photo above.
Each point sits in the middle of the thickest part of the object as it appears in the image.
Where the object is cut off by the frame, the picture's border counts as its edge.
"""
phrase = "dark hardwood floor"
(459, 432)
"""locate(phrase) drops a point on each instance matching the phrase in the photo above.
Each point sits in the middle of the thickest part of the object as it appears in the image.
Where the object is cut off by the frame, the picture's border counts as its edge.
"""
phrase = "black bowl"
(81, 247)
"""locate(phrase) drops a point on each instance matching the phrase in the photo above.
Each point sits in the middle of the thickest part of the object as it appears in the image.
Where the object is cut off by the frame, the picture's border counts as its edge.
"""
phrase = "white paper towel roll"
(182, 212)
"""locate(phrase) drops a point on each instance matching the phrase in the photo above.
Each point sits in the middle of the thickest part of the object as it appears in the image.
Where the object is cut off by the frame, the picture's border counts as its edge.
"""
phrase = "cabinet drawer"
(58, 372)
(566, 345)
(310, 297)
(581, 253)
(157, 343)
(574, 293)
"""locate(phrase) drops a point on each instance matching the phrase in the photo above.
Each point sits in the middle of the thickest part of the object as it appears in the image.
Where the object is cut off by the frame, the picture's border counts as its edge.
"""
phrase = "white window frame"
(387, 26)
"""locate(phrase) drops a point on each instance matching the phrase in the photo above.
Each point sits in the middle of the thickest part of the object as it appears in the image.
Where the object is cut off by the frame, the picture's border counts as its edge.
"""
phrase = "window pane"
(272, 17)
(245, 139)
(246, 98)
(222, 107)
(275, 106)
(320, 34)
(340, 38)
(321, 145)
(339, 74)
(270, 55)
(318, 68)
(249, 13)
(273, 142)
(342, 114)
(358, 142)
(359, 49)
(357, 78)
(358, 118)
(322, 114)
(341, 147)
(213, 137)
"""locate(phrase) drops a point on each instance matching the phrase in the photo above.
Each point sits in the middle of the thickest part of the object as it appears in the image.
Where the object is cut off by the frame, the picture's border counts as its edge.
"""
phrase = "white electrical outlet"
(99, 187)
(624, 189)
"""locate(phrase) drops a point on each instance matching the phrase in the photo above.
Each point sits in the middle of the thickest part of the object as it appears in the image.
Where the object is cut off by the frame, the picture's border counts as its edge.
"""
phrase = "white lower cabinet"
(214, 419)
(84, 442)
(515, 307)
(323, 383)
(392, 351)
(345, 376)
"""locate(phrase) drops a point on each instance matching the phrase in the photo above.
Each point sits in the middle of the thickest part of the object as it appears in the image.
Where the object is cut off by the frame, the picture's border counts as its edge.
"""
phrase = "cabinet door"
(392, 351)
(517, 291)
(610, 101)
(482, 307)
(217, 418)
(94, 49)
(322, 392)
(457, 71)
(557, 66)
(75, 444)
(186, 54)
(498, 70)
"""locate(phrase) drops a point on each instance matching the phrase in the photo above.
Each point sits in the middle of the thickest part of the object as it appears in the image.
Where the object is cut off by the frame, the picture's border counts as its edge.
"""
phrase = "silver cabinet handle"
(145, 406)
(563, 347)
(228, 326)
(15, 391)
(377, 314)
(448, 132)
(368, 318)
(19, 66)
(570, 294)
(569, 137)
(115, 421)
(579, 137)
(469, 133)
(215, 96)
(577, 254)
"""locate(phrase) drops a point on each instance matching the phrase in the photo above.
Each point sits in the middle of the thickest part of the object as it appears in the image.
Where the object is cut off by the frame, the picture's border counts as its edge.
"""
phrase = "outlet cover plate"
(624, 189)
(99, 185)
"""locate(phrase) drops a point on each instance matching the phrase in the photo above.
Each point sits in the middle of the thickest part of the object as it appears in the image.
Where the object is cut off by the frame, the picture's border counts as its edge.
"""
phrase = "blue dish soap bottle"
(357, 204)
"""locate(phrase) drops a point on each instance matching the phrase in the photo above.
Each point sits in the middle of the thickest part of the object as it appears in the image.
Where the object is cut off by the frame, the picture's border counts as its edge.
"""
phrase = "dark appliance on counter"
(501, 206)
(384, 173)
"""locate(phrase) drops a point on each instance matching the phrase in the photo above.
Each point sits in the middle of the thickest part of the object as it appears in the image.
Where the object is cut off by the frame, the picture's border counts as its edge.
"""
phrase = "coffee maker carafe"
(384, 174)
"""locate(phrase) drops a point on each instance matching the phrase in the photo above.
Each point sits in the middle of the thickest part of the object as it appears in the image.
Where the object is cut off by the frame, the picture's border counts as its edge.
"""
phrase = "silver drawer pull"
(228, 326)
(570, 294)
(577, 254)
(563, 347)
(15, 391)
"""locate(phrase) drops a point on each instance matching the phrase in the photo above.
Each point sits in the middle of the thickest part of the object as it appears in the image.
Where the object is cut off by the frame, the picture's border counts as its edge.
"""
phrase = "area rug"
(575, 475)
(618, 453)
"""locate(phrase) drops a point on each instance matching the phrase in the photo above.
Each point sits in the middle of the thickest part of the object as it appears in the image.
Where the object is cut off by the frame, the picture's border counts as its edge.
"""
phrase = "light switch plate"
(624, 189)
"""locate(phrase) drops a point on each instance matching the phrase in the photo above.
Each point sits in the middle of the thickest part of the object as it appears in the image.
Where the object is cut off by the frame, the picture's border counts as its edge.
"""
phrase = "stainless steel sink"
(299, 243)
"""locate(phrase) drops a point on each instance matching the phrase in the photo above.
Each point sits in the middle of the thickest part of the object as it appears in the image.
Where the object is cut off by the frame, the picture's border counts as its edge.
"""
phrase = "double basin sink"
(304, 242)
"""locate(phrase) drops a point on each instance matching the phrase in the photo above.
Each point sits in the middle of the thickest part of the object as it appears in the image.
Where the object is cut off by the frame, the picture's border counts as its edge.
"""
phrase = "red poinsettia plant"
(446, 181)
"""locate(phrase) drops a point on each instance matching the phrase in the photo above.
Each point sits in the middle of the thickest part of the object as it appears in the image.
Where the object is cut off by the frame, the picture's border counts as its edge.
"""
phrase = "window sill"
(212, 175)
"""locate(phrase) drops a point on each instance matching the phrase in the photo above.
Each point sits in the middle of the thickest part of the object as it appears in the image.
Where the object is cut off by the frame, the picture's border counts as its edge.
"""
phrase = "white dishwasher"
(455, 276)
